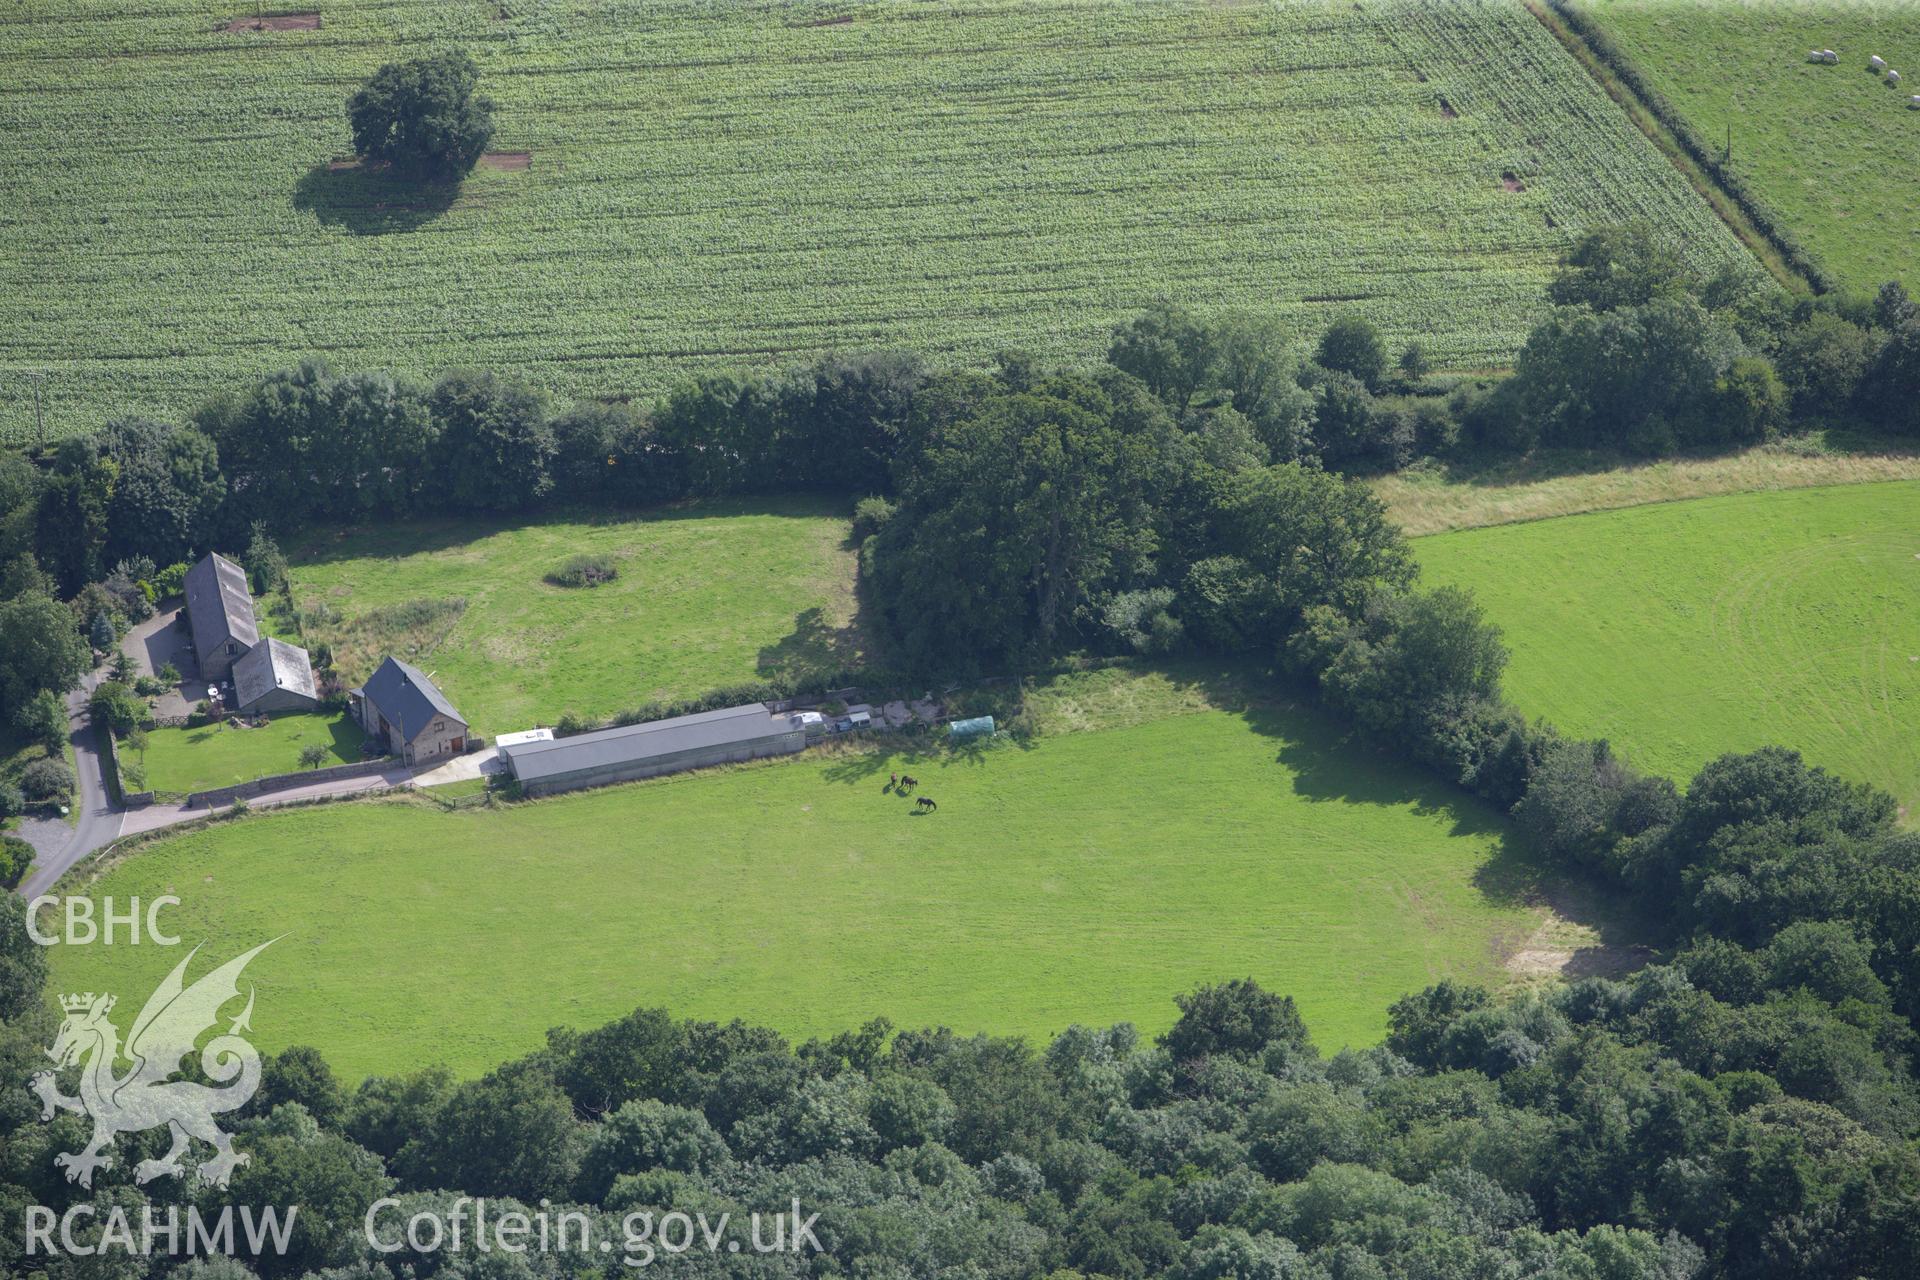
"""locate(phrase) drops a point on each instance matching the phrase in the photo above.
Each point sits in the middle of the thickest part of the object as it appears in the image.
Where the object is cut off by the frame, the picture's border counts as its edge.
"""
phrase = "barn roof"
(219, 606)
(407, 698)
(270, 666)
(628, 743)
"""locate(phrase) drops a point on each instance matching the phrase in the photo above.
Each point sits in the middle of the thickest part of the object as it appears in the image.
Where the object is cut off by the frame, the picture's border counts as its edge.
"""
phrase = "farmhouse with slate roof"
(269, 675)
(220, 609)
(274, 676)
(400, 706)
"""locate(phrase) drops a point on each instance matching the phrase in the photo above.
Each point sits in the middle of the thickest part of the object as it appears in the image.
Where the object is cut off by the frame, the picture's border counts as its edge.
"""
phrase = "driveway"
(58, 847)
(98, 823)
(476, 764)
(156, 816)
(161, 639)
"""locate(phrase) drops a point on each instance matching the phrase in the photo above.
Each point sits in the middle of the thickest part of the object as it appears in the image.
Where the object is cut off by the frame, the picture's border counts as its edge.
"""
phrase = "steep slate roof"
(269, 666)
(628, 743)
(407, 698)
(219, 606)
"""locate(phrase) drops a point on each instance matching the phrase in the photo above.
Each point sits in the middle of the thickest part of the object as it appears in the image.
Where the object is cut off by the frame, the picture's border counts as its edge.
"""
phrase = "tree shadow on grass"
(371, 202)
(344, 737)
(1500, 471)
(1333, 763)
(814, 645)
(391, 538)
(904, 752)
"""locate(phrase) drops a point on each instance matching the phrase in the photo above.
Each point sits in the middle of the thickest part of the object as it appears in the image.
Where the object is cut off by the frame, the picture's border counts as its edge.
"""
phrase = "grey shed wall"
(282, 700)
(777, 744)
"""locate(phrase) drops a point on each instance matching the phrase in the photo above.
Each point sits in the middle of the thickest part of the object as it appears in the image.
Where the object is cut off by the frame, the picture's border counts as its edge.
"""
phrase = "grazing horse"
(908, 780)
(925, 803)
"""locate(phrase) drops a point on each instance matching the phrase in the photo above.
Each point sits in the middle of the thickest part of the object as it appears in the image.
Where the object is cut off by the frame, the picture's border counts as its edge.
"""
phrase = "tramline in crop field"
(728, 185)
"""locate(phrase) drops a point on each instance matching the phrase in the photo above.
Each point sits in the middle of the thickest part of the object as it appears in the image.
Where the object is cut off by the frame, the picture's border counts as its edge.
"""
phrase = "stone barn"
(404, 709)
(220, 613)
(274, 676)
(635, 751)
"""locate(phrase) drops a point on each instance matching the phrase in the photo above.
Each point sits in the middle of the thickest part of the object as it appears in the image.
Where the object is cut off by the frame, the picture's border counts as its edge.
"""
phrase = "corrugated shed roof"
(219, 606)
(628, 743)
(407, 698)
(274, 664)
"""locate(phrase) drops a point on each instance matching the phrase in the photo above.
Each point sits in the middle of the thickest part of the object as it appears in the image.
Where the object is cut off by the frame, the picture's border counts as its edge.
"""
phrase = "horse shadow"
(813, 645)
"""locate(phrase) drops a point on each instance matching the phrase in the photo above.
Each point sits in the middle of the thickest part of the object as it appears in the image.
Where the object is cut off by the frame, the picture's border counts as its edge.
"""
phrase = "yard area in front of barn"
(1076, 877)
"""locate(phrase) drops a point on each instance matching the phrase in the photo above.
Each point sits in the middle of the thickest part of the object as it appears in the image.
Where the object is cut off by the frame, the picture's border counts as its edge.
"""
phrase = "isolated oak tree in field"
(423, 117)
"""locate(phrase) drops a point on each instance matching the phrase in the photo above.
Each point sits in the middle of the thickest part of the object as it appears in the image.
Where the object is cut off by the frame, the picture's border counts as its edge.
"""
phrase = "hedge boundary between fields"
(1767, 220)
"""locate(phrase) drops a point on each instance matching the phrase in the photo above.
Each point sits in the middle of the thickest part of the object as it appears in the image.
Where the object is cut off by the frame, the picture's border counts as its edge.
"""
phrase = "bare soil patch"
(1599, 961)
(1447, 112)
(343, 164)
(276, 22)
(510, 160)
(1511, 183)
(1580, 933)
(839, 20)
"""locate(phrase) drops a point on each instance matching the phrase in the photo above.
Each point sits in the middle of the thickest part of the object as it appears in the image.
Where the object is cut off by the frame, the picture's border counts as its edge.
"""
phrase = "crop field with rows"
(1833, 148)
(726, 185)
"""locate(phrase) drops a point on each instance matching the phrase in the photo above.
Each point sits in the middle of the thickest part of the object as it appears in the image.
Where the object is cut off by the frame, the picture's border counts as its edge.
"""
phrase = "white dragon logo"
(144, 1097)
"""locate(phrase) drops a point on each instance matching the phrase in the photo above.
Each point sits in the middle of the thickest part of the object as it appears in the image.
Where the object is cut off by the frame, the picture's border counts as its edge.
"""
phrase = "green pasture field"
(179, 760)
(725, 185)
(1688, 629)
(1833, 148)
(1082, 878)
(707, 595)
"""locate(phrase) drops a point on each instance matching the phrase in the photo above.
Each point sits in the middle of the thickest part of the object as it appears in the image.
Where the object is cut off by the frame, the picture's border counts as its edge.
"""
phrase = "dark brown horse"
(925, 804)
(908, 780)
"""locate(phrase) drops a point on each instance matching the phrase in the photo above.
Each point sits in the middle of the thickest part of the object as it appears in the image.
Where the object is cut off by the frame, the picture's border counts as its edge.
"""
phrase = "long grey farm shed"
(656, 747)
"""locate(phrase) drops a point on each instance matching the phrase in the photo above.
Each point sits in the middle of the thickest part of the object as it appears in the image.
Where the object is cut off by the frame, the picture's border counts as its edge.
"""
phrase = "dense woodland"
(1748, 1109)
